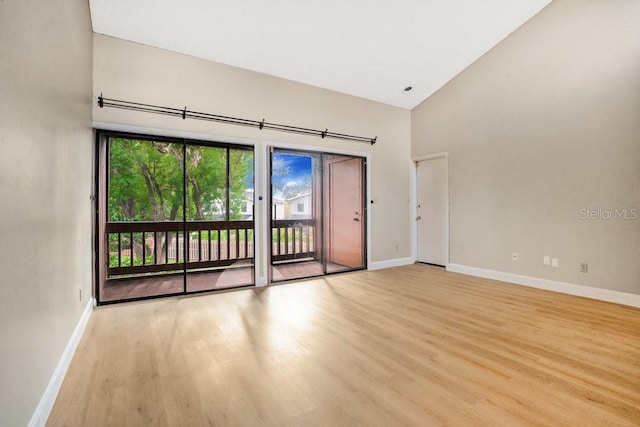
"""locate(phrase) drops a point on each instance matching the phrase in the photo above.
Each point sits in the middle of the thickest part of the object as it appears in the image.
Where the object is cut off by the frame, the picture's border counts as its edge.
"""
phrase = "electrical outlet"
(555, 262)
(546, 260)
(514, 256)
(584, 267)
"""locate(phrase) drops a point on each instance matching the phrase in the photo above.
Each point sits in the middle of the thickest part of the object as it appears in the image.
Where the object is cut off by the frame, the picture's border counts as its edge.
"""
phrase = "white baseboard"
(379, 265)
(43, 410)
(617, 297)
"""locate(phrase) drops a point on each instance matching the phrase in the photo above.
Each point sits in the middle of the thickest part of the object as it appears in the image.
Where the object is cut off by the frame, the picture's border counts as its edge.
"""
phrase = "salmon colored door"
(345, 205)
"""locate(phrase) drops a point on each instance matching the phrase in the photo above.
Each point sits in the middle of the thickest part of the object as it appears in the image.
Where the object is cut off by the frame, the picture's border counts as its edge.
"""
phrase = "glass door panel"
(219, 188)
(174, 217)
(296, 214)
(144, 219)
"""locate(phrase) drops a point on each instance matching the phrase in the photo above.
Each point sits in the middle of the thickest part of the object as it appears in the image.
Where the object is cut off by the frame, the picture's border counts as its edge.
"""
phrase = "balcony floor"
(121, 290)
(117, 290)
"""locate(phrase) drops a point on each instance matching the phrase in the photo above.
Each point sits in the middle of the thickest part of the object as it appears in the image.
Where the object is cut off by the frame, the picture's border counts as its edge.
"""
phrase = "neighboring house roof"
(299, 196)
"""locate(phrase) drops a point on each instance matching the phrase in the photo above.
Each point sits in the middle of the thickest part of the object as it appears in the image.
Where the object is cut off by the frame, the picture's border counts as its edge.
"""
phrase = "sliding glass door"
(296, 215)
(219, 217)
(318, 214)
(174, 216)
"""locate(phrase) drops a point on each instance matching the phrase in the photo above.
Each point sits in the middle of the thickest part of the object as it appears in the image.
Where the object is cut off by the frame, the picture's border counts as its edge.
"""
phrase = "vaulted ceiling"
(368, 48)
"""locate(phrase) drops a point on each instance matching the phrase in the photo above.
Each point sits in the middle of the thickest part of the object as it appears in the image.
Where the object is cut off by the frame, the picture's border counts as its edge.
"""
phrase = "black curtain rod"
(184, 113)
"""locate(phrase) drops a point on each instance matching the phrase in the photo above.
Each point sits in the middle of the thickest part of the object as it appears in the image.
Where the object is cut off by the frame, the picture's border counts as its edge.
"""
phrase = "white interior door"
(432, 211)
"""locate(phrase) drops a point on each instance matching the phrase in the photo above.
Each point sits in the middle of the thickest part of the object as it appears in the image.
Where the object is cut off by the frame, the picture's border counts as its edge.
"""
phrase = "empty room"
(320, 213)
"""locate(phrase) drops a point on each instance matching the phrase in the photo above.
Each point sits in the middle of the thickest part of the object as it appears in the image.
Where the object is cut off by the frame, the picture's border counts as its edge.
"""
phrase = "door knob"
(418, 218)
(356, 219)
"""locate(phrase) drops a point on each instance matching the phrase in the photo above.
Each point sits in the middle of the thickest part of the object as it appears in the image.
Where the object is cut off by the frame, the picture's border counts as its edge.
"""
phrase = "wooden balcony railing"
(140, 248)
(137, 248)
(293, 239)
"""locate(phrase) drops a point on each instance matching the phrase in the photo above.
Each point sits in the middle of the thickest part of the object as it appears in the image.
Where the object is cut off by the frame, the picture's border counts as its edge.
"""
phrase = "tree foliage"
(146, 181)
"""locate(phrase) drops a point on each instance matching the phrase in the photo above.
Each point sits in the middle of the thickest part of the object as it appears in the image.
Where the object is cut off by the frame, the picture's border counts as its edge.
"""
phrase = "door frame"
(328, 220)
(414, 203)
(261, 147)
(269, 147)
(262, 162)
(101, 191)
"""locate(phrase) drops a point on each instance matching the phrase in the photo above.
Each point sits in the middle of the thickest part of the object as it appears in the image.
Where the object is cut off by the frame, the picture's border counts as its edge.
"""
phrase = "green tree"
(146, 182)
(240, 180)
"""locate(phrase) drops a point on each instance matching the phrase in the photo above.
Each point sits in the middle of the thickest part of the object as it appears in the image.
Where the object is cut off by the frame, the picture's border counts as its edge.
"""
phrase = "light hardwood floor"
(413, 345)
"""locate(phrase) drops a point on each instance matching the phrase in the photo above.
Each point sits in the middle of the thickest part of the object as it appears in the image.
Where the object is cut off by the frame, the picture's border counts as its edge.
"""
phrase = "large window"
(172, 216)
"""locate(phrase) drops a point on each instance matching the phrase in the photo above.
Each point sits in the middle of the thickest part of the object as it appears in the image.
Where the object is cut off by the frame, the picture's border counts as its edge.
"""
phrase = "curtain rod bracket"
(373, 141)
(100, 100)
(324, 133)
(184, 113)
(261, 124)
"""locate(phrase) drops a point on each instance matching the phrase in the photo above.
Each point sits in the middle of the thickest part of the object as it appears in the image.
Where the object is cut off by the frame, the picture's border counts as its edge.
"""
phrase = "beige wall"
(45, 184)
(542, 126)
(134, 72)
(545, 124)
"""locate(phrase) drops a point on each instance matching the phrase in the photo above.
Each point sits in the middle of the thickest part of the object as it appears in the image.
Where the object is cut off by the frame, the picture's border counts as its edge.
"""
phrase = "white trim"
(398, 262)
(431, 156)
(260, 215)
(43, 409)
(413, 209)
(414, 202)
(368, 206)
(333, 150)
(328, 149)
(172, 133)
(608, 295)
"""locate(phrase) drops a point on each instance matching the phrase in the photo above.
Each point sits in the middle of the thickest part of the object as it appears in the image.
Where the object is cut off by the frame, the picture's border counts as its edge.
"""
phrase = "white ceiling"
(367, 48)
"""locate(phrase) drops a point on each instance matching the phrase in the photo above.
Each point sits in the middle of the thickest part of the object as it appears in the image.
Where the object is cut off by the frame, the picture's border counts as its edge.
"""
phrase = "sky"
(299, 167)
